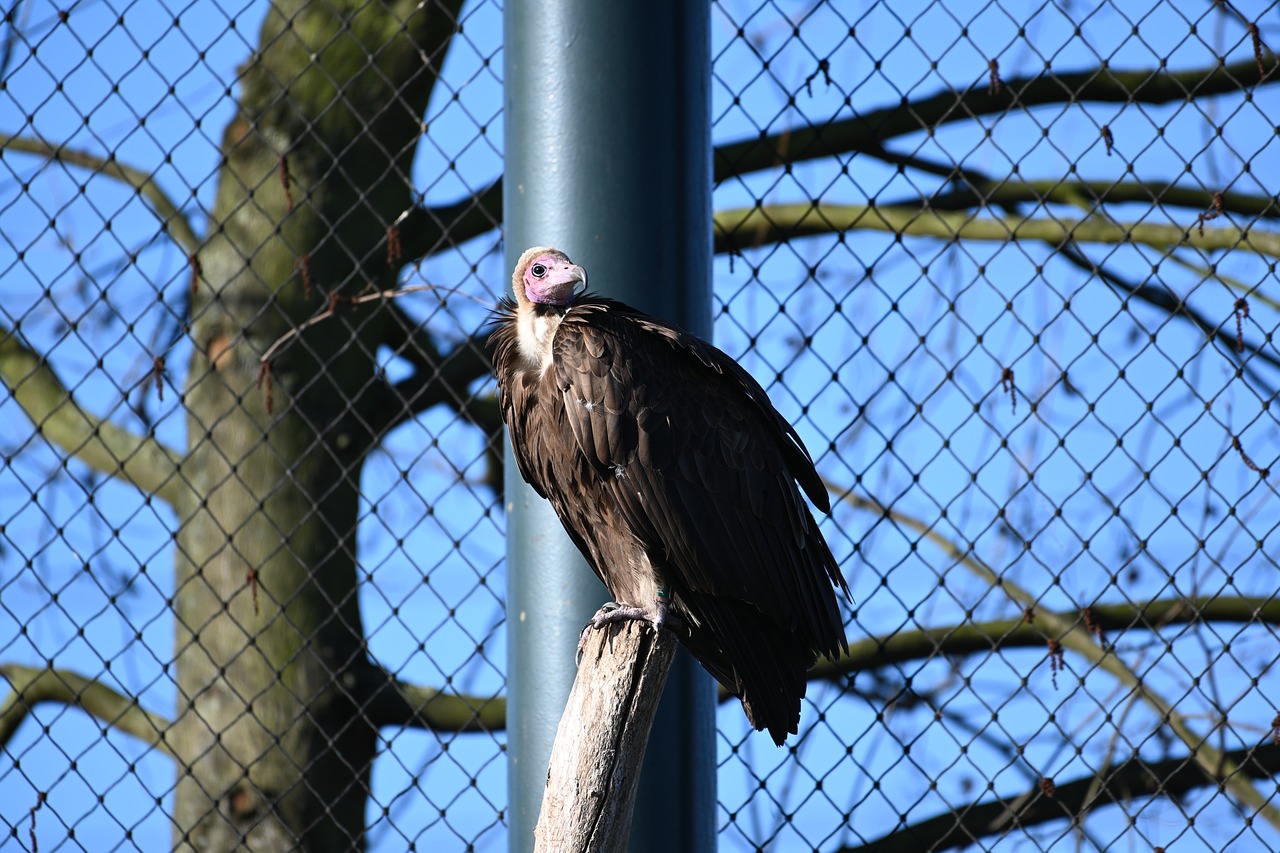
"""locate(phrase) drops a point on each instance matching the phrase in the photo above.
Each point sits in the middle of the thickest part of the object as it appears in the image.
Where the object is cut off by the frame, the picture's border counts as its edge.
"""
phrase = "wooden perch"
(599, 746)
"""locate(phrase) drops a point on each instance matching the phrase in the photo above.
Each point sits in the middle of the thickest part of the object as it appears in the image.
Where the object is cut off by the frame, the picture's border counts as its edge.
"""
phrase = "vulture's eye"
(538, 270)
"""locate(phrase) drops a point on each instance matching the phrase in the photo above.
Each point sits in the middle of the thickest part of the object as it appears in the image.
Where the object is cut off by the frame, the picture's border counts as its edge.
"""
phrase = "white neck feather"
(536, 334)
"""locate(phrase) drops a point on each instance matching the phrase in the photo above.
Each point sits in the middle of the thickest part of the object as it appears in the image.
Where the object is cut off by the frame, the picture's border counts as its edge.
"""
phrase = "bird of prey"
(677, 480)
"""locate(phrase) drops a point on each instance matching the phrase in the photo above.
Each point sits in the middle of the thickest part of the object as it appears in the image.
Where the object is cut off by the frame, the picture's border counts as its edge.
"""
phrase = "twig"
(157, 373)
(10, 37)
(1256, 37)
(824, 68)
(336, 300)
(41, 796)
(1248, 461)
(303, 266)
(1249, 290)
(395, 249)
(268, 389)
(1006, 385)
(1214, 211)
(251, 576)
(286, 180)
(196, 272)
(1242, 314)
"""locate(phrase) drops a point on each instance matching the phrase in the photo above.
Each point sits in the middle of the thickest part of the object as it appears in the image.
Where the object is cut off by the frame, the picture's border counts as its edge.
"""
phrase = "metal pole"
(608, 157)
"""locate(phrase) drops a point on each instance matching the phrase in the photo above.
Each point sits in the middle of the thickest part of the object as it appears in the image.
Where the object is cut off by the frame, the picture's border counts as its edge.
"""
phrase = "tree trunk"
(272, 747)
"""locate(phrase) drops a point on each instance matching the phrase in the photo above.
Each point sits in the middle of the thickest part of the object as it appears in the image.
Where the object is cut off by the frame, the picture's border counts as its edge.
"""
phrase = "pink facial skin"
(552, 280)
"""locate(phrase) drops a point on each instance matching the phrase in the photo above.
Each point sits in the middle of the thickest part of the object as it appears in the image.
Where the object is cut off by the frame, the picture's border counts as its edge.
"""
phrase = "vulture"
(676, 478)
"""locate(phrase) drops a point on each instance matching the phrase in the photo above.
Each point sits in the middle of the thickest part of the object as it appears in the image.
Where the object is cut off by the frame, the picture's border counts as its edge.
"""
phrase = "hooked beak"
(579, 275)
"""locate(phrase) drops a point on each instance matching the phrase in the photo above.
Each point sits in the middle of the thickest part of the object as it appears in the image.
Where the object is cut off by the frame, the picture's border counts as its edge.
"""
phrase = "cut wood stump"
(600, 743)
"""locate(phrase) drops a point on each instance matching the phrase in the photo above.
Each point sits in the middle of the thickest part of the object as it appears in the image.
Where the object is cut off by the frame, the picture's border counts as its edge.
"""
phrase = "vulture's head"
(546, 276)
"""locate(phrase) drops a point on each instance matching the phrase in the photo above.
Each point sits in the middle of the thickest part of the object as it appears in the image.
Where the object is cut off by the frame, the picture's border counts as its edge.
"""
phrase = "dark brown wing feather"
(670, 446)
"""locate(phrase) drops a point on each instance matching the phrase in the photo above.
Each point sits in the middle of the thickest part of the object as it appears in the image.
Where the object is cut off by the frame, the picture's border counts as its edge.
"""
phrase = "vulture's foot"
(655, 614)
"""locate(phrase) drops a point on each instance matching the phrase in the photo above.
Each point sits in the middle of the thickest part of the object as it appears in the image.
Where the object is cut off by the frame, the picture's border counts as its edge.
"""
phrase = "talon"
(657, 615)
(660, 618)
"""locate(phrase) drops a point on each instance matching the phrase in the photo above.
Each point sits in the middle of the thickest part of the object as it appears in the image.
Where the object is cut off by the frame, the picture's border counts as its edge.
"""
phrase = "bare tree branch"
(749, 227)
(1156, 193)
(1161, 297)
(1079, 639)
(103, 446)
(1135, 778)
(175, 223)
(410, 340)
(10, 37)
(425, 230)
(31, 686)
(436, 379)
(866, 132)
(397, 703)
(753, 226)
(1251, 290)
(1034, 631)
(392, 702)
(983, 189)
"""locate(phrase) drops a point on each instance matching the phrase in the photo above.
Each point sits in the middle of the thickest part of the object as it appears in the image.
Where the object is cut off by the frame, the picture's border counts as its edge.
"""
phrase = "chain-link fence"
(1009, 267)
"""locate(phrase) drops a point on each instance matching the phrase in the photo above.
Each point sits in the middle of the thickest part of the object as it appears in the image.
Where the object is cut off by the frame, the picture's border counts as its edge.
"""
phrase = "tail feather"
(761, 662)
